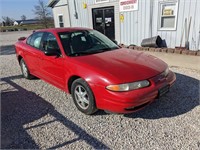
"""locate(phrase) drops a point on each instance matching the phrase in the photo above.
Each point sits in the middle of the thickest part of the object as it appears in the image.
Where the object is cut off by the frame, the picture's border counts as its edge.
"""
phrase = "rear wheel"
(83, 97)
(24, 69)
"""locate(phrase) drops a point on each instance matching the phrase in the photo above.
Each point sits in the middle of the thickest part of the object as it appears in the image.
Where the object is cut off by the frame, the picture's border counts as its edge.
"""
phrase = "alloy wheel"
(24, 69)
(81, 97)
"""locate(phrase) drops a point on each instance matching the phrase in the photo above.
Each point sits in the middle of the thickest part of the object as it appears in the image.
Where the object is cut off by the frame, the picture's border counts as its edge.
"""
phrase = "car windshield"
(85, 42)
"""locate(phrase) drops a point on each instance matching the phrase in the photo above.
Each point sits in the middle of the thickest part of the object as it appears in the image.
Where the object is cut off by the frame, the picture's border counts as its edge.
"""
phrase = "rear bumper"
(128, 102)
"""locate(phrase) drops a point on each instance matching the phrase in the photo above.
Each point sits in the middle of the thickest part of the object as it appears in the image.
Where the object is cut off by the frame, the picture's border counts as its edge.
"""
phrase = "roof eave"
(52, 3)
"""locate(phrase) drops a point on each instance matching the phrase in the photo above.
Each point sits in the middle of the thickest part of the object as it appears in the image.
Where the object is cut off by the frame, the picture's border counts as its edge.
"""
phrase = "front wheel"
(25, 71)
(83, 97)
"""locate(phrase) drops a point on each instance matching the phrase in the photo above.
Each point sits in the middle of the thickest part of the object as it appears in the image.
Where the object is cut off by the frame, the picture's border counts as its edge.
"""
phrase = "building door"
(103, 21)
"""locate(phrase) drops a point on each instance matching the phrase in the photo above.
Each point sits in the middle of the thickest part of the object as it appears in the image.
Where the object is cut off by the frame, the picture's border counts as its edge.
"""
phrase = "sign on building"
(101, 1)
(128, 5)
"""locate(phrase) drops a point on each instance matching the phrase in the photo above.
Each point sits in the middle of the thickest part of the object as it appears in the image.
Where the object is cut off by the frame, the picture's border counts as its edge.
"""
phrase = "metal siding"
(128, 28)
(122, 32)
(127, 34)
(197, 26)
(180, 24)
(137, 24)
(143, 18)
(71, 10)
(186, 8)
(124, 29)
(193, 38)
(146, 20)
(117, 21)
(131, 29)
(155, 18)
(185, 15)
(82, 14)
(74, 21)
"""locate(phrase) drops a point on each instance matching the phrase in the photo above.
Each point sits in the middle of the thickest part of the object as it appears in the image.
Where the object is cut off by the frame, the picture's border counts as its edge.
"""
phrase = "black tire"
(83, 97)
(25, 72)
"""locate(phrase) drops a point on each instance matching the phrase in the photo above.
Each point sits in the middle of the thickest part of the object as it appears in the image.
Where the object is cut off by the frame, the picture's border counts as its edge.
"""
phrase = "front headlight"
(128, 86)
(166, 72)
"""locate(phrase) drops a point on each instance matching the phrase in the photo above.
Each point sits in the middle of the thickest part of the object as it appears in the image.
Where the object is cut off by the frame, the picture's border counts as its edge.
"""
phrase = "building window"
(60, 19)
(168, 15)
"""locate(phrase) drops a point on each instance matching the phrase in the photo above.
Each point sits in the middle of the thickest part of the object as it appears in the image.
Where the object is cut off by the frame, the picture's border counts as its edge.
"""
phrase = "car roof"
(57, 30)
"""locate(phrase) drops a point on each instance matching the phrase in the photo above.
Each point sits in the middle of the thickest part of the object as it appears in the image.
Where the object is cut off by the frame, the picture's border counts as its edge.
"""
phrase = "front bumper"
(131, 101)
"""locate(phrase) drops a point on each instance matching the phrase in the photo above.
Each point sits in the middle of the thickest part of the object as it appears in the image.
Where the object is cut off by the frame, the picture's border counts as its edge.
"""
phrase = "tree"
(23, 17)
(42, 12)
(8, 21)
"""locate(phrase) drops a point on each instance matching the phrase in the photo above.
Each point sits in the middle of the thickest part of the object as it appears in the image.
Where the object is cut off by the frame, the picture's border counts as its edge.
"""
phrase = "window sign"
(168, 15)
(107, 20)
(101, 1)
(99, 20)
(128, 5)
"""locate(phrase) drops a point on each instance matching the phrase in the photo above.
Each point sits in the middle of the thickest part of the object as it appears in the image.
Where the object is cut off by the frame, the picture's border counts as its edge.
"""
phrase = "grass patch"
(24, 27)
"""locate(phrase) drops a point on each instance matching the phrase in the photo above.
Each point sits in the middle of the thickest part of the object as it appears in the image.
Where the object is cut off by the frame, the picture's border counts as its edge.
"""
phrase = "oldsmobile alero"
(98, 73)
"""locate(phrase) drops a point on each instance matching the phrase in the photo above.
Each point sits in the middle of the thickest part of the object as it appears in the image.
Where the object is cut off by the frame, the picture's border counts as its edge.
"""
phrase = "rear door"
(33, 53)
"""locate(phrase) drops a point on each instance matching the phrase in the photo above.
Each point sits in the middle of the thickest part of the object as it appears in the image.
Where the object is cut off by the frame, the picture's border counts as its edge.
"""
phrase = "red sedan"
(94, 70)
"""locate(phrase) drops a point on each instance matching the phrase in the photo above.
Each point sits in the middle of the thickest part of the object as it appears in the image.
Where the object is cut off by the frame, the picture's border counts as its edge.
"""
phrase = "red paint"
(100, 70)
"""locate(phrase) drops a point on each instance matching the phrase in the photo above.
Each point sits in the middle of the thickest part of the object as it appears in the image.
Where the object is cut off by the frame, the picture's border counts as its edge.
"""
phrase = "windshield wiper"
(83, 53)
(79, 53)
(108, 49)
(104, 49)
(91, 52)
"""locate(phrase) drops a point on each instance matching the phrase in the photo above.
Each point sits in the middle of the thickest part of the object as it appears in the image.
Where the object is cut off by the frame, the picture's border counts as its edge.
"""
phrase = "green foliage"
(25, 27)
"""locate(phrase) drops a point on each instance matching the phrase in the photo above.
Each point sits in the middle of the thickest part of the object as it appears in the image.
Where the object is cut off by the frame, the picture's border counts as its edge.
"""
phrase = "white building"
(17, 22)
(130, 21)
(60, 12)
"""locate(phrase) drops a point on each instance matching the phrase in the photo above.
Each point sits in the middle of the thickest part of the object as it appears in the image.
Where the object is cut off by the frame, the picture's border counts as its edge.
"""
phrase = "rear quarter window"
(35, 39)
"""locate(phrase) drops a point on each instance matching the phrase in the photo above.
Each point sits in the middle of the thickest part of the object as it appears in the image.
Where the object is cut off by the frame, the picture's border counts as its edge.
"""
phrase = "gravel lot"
(36, 115)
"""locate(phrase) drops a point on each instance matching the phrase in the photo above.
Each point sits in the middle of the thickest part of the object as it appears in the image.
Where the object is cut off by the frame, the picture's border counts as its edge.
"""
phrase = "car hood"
(124, 64)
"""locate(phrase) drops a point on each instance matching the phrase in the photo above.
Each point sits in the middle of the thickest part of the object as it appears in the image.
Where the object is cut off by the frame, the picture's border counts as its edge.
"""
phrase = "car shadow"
(20, 107)
(7, 50)
(182, 98)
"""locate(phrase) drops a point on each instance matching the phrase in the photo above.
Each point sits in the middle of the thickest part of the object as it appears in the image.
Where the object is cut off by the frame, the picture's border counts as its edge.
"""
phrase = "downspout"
(76, 13)
(151, 18)
(69, 13)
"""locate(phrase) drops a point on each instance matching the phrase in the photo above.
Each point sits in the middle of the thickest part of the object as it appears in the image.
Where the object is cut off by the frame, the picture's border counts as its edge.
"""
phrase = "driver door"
(52, 67)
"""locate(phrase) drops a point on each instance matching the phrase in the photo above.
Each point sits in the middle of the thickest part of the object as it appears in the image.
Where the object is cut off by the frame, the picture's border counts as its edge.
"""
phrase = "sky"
(16, 8)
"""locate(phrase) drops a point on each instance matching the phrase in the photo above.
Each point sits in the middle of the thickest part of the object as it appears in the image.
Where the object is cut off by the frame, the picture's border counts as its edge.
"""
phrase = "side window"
(50, 43)
(35, 39)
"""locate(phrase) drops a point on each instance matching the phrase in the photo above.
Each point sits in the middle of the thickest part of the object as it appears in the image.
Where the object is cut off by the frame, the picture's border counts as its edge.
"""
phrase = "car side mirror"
(52, 52)
(115, 42)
